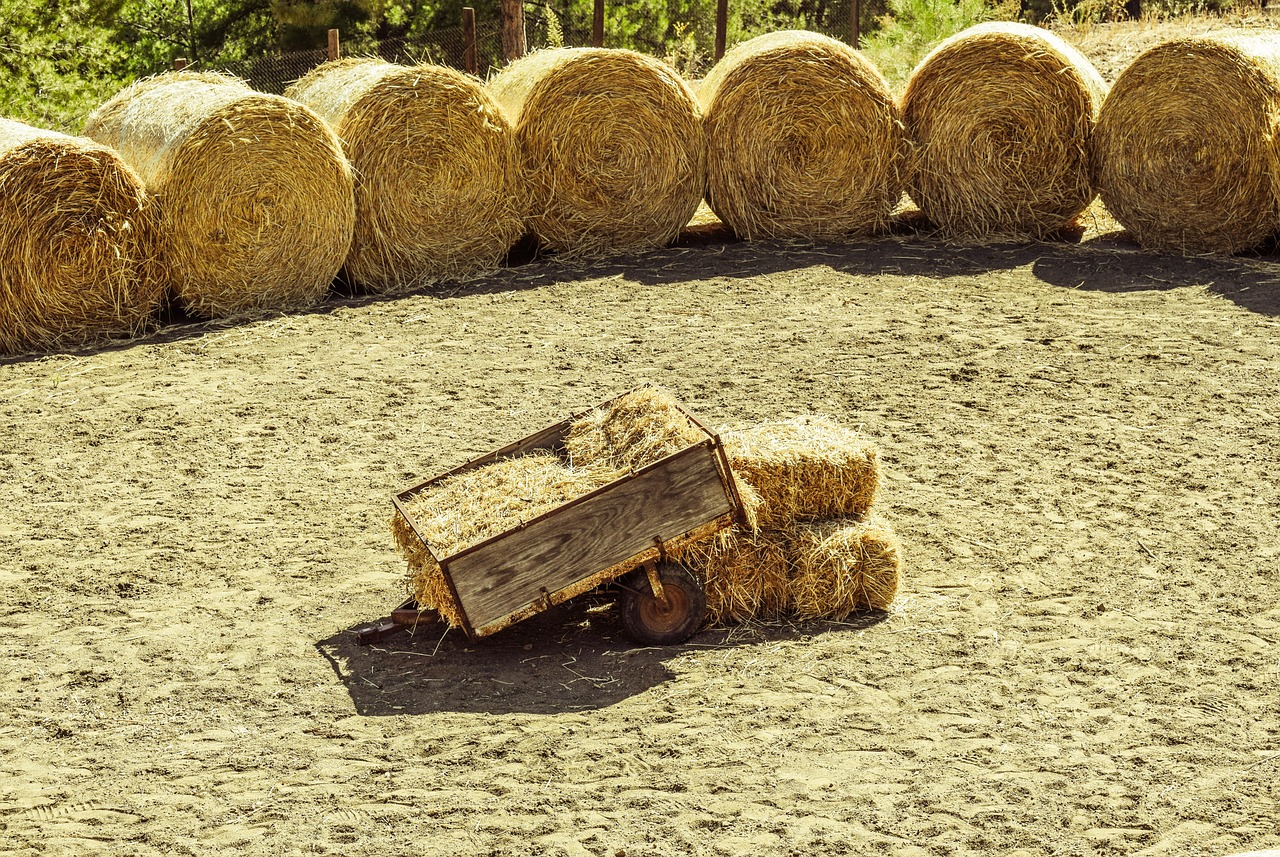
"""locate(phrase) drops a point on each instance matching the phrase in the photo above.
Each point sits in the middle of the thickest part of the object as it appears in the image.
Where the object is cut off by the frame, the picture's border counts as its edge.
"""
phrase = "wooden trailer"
(618, 534)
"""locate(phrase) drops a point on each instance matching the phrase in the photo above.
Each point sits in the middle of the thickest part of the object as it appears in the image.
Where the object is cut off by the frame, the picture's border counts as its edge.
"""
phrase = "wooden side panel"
(576, 541)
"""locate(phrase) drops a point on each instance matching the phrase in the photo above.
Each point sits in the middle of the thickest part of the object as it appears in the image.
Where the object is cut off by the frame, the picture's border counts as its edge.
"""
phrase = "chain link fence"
(688, 45)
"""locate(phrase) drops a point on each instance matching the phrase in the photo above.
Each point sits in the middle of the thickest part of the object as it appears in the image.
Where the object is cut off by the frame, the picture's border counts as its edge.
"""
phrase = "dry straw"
(746, 575)
(804, 139)
(1185, 149)
(254, 192)
(999, 117)
(843, 566)
(611, 146)
(437, 188)
(804, 468)
(635, 430)
(77, 243)
(469, 507)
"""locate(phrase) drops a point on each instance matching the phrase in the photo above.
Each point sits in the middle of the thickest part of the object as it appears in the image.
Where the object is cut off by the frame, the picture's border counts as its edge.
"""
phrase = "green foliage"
(57, 62)
(913, 27)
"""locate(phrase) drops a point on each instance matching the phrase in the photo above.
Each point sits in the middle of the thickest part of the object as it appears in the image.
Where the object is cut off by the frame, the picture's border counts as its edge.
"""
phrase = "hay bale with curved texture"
(611, 147)
(255, 195)
(436, 181)
(77, 242)
(1184, 153)
(843, 566)
(999, 118)
(804, 139)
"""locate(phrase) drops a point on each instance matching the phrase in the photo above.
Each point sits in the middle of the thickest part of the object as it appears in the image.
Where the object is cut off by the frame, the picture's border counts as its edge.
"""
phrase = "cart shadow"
(573, 657)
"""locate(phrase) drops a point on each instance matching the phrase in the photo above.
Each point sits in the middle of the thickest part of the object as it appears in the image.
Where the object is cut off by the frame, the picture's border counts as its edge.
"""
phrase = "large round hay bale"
(437, 186)
(77, 242)
(1185, 149)
(255, 195)
(611, 147)
(999, 118)
(803, 138)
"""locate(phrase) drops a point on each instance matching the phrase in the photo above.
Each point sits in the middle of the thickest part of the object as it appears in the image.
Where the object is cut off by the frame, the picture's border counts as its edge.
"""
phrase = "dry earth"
(1080, 452)
(1081, 459)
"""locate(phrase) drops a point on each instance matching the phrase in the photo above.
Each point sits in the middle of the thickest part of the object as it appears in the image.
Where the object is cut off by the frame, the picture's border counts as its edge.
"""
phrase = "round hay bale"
(77, 243)
(255, 196)
(803, 137)
(611, 147)
(842, 566)
(1184, 153)
(999, 118)
(437, 186)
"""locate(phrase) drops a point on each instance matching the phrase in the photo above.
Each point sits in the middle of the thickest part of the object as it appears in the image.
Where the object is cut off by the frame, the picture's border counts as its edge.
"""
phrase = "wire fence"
(689, 46)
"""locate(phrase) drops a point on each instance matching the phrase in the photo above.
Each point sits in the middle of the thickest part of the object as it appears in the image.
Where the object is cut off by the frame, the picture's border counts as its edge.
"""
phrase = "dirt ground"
(1080, 456)
(1080, 453)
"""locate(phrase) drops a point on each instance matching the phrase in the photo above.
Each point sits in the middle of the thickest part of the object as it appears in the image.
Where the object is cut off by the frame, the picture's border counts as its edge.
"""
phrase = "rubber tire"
(645, 621)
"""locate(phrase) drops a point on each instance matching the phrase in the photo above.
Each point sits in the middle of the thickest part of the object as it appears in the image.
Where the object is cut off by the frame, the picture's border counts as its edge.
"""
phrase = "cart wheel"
(646, 620)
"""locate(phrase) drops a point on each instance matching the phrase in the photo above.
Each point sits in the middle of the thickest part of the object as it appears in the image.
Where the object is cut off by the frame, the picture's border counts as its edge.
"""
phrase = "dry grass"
(77, 243)
(438, 193)
(804, 469)
(611, 147)
(746, 575)
(255, 195)
(843, 566)
(804, 139)
(1185, 153)
(999, 117)
(635, 430)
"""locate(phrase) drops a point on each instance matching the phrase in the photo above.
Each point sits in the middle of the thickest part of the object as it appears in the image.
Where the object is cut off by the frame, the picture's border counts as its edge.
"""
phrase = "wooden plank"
(511, 24)
(577, 540)
(469, 61)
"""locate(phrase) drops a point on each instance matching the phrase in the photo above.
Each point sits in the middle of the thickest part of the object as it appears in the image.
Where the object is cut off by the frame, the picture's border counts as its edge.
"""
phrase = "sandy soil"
(1080, 454)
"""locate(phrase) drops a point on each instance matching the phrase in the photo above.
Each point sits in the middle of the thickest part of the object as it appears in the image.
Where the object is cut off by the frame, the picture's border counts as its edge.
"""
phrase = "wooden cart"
(619, 534)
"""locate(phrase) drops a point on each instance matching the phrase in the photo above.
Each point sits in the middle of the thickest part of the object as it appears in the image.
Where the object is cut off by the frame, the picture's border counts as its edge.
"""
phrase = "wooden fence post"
(335, 50)
(855, 25)
(597, 25)
(179, 63)
(512, 26)
(722, 26)
(469, 61)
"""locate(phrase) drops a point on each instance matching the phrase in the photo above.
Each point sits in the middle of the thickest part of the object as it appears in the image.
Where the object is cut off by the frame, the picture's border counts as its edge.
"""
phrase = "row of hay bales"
(811, 546)
(231, 201)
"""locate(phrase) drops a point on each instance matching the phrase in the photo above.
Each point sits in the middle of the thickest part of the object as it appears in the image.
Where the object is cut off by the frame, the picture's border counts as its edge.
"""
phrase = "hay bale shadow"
(1252, 282)
(570, 658)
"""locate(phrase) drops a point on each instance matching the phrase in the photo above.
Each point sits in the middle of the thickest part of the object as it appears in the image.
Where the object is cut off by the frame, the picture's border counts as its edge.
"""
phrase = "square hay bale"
(841, 566)
(634, 430)
(746, 575)
(806, 468)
